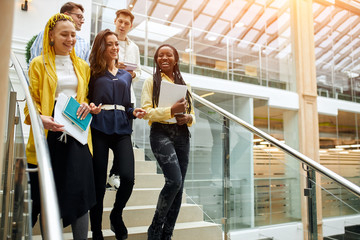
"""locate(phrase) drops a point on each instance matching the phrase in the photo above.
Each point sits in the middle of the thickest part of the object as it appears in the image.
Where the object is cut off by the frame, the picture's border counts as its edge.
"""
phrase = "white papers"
(130, 66)
(169, 94)
(70, 128)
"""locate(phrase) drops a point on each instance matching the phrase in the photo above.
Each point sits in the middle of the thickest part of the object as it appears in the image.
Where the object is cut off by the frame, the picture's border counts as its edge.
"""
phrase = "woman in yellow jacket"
(170, 142)
(59, 71)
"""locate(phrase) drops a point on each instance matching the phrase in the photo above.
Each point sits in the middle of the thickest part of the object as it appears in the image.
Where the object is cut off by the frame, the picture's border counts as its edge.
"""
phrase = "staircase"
(140, 209)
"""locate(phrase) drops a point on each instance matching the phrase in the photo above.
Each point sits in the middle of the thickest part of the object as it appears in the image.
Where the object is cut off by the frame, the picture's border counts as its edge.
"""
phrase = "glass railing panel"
(21, 219)
(264, 184)
(340, 210)
(245, 62)
(203, 53)
(14, 202)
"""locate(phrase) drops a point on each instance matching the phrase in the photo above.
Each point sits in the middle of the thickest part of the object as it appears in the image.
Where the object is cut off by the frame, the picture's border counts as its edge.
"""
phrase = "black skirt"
(73, 174)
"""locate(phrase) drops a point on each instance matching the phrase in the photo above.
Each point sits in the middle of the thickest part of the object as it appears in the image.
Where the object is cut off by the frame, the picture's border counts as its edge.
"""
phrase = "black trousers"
(170, 144)
(124, 166)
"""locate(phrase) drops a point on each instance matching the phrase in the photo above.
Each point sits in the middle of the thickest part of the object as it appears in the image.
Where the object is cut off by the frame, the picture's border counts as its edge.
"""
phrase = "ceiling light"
(336, 149)
(272, 150)
(344, 152)
(322, 151)
(343, 146)
(259, 146)
(211, 38)
(356, 145)
(131, 6)
(188, 50)
(257, 140)
(239, 24)
(167, 15)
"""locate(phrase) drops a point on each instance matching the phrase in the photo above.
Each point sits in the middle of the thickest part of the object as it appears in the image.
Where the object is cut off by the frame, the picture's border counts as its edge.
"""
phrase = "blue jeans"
(170, 145)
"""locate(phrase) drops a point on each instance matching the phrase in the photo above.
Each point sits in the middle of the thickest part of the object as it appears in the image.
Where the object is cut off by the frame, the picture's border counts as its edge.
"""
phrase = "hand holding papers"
(169, 94)
(72, 129)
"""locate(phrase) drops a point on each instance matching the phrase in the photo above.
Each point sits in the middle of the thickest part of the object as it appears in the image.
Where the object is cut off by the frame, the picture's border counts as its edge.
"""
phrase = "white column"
(6, 24)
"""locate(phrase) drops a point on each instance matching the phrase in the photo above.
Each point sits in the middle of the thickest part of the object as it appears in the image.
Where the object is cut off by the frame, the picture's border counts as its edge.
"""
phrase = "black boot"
(118, 226)
(165, 237)
(97, 236)
(166, 233)
(155, 229)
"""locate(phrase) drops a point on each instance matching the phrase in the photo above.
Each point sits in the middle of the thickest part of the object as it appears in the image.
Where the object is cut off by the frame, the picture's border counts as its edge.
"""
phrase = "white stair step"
(145, 167)
(189, 231)
(139, 196)
(140, 166)
(142, 215)
(146, 180)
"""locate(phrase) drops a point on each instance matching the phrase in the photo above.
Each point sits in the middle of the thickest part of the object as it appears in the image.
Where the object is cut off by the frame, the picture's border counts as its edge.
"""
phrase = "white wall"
(31, 22)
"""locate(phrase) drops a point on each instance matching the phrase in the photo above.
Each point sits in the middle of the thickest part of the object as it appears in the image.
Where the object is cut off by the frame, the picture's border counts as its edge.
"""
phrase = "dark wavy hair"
(178, 79)
(97, 61)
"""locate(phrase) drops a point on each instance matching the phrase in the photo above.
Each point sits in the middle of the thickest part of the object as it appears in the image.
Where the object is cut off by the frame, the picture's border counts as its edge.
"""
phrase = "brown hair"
(97, 61)
(126, 12)
(69, 6)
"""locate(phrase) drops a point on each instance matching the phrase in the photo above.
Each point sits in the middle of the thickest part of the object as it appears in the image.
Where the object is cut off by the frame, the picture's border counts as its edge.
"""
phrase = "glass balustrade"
(259, 186)
(219, 56)
(15, 198)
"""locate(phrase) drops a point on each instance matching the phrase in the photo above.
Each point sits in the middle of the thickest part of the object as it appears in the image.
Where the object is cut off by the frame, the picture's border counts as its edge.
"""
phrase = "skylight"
(157, 32)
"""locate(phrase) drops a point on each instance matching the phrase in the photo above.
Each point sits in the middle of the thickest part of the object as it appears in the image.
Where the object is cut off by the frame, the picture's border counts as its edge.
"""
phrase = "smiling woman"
(111, 130)
(169, 141)
(65, 35)
(59, 71)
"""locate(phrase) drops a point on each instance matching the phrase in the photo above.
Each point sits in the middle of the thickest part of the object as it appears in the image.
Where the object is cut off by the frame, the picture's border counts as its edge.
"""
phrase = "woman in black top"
(110, 87)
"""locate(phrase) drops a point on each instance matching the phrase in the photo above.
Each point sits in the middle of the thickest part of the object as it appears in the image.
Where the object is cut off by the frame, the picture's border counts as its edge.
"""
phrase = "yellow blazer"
(158, 114)
(43, 83)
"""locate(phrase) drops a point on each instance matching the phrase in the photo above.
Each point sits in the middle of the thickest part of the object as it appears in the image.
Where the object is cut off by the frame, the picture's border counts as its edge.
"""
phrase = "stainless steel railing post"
(226, 177)
(8, 169)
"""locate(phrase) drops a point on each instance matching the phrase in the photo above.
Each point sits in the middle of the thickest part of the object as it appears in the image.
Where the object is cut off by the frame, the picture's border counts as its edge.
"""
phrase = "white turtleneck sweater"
(67, 79)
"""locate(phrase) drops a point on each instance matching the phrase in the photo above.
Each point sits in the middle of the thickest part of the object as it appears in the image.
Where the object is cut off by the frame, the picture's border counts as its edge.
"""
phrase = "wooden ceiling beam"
(214, 19)
(177, 9)
(196, 15)
(337, 24)
(270, 21)
(232, 24)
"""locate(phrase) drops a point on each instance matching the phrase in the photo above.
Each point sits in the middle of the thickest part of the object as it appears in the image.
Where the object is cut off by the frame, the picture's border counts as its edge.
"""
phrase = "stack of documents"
(130, 66)
(70, 128)
(170, 93)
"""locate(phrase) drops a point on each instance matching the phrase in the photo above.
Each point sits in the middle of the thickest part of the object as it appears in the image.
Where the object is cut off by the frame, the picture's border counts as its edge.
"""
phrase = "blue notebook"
(70, 110)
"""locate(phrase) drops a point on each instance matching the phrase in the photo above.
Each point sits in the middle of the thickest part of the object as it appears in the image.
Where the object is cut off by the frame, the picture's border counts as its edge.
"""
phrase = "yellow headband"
(58, 17)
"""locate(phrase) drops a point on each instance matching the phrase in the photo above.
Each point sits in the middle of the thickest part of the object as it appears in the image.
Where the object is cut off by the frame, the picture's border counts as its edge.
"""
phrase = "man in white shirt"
(82, 47)
(128, 53)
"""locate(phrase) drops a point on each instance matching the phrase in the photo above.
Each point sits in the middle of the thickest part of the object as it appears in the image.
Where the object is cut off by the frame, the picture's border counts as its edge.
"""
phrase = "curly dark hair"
(178, 79)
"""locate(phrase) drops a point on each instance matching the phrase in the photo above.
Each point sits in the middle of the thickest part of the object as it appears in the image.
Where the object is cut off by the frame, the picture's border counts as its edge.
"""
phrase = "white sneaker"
(114, 181)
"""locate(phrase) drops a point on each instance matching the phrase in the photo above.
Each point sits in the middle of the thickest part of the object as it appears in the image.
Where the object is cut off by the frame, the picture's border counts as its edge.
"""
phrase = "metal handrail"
(50, 214)
(304, 159)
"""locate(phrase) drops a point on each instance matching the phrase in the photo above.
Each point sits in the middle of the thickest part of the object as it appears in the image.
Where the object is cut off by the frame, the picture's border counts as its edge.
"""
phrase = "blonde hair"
(48, 53)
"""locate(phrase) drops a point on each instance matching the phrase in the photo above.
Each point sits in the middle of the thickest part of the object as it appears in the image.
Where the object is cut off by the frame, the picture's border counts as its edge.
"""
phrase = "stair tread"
(143, 229)
(148, 207)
